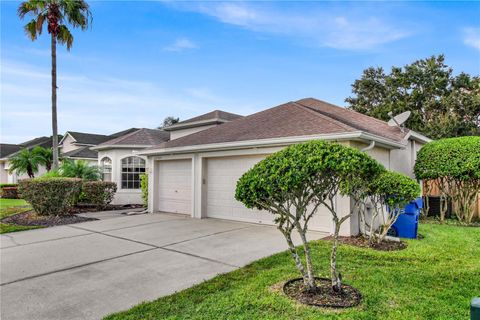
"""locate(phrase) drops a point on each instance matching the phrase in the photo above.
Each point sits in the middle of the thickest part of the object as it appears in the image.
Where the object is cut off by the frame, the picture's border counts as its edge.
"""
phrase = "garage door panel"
(175, 186)
(221, 179)
(222, 175)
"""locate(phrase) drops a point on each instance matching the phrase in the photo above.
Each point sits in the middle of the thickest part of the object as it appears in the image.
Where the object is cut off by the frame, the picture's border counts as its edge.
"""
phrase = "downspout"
(369, 147)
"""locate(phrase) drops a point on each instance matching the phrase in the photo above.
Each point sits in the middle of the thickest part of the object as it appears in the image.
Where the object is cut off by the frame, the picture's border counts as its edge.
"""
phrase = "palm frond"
(32, 6)
(39, 23)
(77, 13)
(65, 36)
(31, 29)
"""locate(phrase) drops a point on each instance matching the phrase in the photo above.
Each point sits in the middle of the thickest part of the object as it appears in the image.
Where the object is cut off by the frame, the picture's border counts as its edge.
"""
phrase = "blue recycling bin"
(406, 225)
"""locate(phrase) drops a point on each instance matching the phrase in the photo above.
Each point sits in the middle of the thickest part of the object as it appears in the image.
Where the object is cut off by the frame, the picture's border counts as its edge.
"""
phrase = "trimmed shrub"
(144, 186)
(390, 189)
(98, 193)
(454, 164)
(52, 196)
(9, 191)
(293, 183)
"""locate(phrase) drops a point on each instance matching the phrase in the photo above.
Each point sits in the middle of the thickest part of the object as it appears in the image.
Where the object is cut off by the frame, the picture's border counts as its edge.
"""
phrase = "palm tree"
(26, 161)
(57, 13)
(46, 155)
(79, 169)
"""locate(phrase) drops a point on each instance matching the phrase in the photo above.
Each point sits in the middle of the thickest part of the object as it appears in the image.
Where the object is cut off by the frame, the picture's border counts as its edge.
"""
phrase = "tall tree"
(442, 105)
(57, 14)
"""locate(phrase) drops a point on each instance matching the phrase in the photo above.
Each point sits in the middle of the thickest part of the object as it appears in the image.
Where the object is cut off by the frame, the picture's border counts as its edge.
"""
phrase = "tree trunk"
(336, 280)
(54, 103)
(308, 260)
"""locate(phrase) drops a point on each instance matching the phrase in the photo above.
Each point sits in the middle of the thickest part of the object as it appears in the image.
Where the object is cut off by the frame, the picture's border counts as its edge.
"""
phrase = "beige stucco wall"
(123, 196)
(184, 132)
(68, 144)
(403, 160)
(3, 173)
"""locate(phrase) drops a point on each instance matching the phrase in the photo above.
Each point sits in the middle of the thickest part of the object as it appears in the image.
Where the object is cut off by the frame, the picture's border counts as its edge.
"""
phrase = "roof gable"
(141, 137)
(88, 138)
(7, 149)
(213, 117)
(306, 117)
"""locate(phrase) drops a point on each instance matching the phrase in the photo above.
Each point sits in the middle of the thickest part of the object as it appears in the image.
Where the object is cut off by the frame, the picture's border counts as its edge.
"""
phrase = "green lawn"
(10, 207)
(434, 278)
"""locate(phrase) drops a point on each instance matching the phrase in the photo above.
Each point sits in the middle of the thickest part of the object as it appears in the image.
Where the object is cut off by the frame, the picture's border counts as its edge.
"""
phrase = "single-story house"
(195, 172)
(120, 162)
(72, 145)
(10, 150)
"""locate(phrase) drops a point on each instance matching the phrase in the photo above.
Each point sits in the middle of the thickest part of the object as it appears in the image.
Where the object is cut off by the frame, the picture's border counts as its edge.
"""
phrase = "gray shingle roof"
(140, 137)
(216, 116)
(7, 149)
(301, 118)
(83, 152)
(88, 138)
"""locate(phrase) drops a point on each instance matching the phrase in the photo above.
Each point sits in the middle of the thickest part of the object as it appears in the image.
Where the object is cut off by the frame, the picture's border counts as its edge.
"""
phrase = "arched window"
(132, 168)
(106, 168)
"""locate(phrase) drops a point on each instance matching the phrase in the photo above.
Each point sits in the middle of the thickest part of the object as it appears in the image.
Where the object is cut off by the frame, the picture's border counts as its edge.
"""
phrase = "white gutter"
(358, 135)
(417, 136)
(369, 147)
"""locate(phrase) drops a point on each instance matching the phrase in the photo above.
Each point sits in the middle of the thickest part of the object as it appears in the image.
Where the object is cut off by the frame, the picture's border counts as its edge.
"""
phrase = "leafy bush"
(292, 183)
(53, 174)
(2, 185)
(53, 196)
(454, 164)
(144, 186)
(98, 193)
(79, 169)
(391, 189)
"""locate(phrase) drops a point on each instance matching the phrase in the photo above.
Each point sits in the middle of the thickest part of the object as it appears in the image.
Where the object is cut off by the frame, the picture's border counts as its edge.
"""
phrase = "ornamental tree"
(454, 164)
(294, 182)
(387, 194)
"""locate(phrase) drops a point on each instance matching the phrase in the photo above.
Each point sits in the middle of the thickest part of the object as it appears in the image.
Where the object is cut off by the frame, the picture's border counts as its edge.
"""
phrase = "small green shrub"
(2, 185)
(144, 186)
(52, 196)
(98, 193)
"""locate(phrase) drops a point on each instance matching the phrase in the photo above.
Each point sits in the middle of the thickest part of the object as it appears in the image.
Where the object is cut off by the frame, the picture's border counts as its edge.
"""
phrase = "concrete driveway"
(91, 269)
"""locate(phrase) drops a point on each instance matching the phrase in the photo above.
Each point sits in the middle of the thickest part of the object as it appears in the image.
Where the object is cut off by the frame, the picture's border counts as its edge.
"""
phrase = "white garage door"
(175, 186)
(221, 178)
(222, 175)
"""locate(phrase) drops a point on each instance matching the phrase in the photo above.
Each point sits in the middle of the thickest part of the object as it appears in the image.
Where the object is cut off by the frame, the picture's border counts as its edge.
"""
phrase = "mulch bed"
(362, 242)
(324, 296)
(30, 218)
(83, 208)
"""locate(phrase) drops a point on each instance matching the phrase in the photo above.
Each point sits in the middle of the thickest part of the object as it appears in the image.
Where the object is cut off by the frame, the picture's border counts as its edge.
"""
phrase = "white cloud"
(181, 44)
(340, 29)
(471, 37)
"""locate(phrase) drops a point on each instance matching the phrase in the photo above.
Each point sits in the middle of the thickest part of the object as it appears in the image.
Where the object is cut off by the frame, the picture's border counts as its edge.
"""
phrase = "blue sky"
(143, 61)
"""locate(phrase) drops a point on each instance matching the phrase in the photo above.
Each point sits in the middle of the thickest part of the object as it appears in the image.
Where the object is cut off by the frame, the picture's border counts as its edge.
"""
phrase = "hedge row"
(56, 196)
(52, 196)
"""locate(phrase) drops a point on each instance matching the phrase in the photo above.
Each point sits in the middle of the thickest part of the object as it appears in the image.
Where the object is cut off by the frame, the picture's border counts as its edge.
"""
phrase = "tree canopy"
(442, 105)
(168, 121)
(454, 164)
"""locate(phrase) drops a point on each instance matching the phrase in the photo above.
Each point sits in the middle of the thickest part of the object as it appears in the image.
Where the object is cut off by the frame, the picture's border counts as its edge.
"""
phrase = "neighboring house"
(119, 160)
(73, 145)
(195, 173)
(10, 150)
